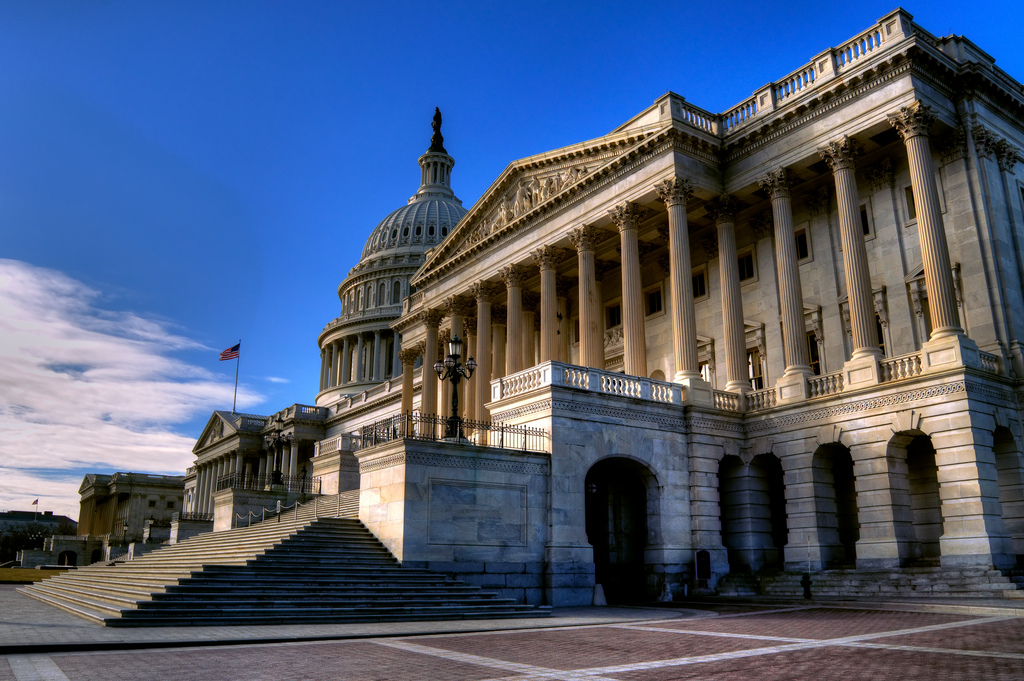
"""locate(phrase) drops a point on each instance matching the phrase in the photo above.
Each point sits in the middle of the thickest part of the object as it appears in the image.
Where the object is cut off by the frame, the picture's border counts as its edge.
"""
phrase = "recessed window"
(881, 336)
(430, 230)
(613, 316)
(803, 246)
(653, 301)
(170, 505)
(576, 330)
(152, 503)
(746, 265)
(444, 231)
(754, 369)
(908, 193)
(419, 230)
(700, 283)
(405, 232)
(812, 353)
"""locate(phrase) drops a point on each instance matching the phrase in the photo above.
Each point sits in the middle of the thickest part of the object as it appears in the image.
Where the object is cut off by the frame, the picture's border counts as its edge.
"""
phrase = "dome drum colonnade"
(911, 122)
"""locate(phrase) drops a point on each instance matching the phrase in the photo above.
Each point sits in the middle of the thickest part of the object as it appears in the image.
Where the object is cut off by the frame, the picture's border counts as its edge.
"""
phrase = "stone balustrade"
(583, 378)
(726, 401)
(342, 443)
(989, 362)
(758, 400)
(900, 368)
(825, 385)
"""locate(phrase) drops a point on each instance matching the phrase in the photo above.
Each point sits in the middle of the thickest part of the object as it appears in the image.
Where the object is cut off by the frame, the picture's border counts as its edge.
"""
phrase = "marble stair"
(924, 582)
(291, 569)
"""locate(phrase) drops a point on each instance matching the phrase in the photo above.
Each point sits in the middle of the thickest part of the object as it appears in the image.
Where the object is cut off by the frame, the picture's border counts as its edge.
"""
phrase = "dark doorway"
(925, 503)
(68, 558)
(616, 513)
(836, 505)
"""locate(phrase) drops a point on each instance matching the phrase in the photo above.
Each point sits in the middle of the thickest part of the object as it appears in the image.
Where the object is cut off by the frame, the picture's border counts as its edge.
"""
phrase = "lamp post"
(276, 442)
(452, 370)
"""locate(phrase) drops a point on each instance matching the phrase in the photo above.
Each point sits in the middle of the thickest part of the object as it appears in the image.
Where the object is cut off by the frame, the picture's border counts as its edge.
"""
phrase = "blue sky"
(175, 176)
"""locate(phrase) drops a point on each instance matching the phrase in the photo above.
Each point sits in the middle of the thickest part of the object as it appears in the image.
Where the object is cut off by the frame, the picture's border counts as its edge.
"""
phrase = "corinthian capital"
(431, 318)
(514, 275)
(675, 191)
(722, 209)
(627, 215)
(912, 120)
(547, 257)
(484, 290)
(1007, 155)
(408, 355)
(458, 306)
(776, 183)
(841, 153)
(585, 237)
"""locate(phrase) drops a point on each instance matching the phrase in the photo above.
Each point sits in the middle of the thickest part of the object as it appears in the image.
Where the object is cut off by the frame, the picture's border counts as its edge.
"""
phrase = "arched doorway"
(68, 558)
(752, 506)
(616, 517)
(1011, 487)
(925, 502)
(835, 496)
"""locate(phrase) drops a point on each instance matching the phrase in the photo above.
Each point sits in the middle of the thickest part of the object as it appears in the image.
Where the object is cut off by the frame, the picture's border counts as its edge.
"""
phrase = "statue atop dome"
(437, 140)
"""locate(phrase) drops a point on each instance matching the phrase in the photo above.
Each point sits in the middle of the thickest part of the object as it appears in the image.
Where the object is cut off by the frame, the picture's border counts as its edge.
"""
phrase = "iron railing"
(299, 485)
(435, 428)
(192, 515)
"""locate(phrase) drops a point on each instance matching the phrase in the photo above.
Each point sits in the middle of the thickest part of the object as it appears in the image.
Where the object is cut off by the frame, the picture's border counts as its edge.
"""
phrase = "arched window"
(381, 293)
(396, 292)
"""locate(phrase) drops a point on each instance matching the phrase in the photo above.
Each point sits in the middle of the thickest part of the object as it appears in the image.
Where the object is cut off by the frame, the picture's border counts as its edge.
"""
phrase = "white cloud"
(82, 387)
(276, 379)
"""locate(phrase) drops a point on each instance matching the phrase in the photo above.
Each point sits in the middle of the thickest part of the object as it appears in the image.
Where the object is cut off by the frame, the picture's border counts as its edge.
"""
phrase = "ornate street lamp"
(276, 442)
(452, 370)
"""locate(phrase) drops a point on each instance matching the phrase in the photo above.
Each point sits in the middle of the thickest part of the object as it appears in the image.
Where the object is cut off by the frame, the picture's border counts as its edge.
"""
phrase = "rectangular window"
(576, 330)
(705, 371)
(754, 369)
(911, 209)
(700, 284)
(881, 336)
(803, 249)
(746, 265)
(865, 222)
(152, 503)
(170, 505)
(613, 314)
(812, 353)
(654, 301)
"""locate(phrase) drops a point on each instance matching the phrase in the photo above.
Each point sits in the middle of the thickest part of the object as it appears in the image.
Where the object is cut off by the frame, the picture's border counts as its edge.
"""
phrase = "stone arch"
(95, 556)
(1010, 477)
(622, 520)
(911, 458)
(69, 558)
(752, 506)
(658, 375)
(835, 505)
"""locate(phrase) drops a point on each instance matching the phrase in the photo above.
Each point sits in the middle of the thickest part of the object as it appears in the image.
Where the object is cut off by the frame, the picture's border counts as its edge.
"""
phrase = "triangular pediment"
(221, 425)
(530, 188)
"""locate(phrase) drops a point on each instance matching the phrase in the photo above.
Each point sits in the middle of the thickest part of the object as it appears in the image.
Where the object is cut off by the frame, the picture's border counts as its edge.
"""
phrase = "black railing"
(298, 485)
(190, 515)
(438, 428)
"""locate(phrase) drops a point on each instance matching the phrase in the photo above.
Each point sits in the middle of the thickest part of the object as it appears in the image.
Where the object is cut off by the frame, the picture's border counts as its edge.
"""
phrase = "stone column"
(514, 276)
(483, 292)
(626, 217)
(239, 472)
(469, 406)
(457, 307)
(863, 365)
(408, 358)
(428, 380)
(675, 192)
(378, 354)
(584, 238)
(324, 364)
(793, 384)
(293, 460)
(912, 123)
(396, 343)
(498, 336)
(345, 363)
(547, 258)
(723, 210)
(530, 303)
(883, 507)
(262, 471)
(564, 329)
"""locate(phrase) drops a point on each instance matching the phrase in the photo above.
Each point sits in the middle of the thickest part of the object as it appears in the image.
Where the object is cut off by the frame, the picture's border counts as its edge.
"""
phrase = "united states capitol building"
(782, 338)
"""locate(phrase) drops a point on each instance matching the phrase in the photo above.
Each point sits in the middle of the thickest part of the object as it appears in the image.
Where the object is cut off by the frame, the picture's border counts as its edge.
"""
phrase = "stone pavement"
(714, 640)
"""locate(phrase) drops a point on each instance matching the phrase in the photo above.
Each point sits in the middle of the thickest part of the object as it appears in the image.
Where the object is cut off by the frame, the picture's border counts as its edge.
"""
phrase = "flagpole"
(238, 360)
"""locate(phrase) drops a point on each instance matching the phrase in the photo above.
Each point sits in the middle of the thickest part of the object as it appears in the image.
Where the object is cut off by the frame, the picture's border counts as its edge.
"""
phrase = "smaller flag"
(230, 353)
(35, 503)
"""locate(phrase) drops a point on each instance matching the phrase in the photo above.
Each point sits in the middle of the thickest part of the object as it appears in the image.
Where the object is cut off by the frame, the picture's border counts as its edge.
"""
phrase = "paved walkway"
(715, 640)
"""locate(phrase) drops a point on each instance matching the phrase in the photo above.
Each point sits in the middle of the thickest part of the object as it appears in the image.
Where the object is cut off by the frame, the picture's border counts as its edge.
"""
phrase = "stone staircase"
(926, 582)
(291, 569)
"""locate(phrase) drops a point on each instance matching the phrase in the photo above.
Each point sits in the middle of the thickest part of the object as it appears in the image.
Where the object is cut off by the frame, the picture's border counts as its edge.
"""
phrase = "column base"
(861, 372)
(698, 392)
(792, 387)
(949, 352)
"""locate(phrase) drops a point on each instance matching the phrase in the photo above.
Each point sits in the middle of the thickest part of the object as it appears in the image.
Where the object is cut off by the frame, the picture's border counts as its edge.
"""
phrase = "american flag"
(230, 353)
